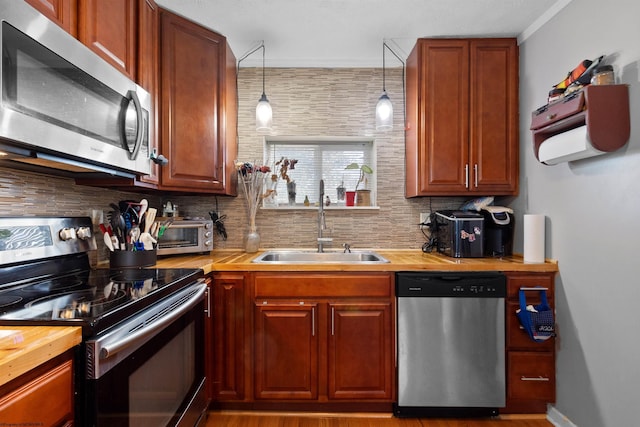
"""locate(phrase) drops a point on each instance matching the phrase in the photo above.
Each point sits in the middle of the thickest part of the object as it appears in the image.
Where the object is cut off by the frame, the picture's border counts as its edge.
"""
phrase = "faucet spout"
(321, 219)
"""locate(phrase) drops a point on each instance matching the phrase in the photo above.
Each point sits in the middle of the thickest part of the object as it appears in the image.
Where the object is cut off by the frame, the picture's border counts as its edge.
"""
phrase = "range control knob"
(84, 233)
(67, 234)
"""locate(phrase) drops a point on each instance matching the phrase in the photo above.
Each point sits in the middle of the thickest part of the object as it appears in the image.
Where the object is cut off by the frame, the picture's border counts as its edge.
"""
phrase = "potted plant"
(363, 195)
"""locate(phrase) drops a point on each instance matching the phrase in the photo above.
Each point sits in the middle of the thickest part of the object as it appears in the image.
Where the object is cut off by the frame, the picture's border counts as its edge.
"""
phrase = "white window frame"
(311, 189)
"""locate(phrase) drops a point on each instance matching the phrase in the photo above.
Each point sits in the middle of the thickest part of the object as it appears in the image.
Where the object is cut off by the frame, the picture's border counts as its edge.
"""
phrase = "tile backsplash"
(305, 102)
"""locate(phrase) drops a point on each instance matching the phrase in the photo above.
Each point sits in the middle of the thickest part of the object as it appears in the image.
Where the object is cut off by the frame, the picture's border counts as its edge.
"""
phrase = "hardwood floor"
(268, 419)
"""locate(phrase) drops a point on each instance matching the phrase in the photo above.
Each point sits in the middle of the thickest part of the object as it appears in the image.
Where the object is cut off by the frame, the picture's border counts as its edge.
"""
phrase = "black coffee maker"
(499, 224)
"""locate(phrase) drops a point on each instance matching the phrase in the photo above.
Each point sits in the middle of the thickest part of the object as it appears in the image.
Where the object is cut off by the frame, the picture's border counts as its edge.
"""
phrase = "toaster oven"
(186, 236)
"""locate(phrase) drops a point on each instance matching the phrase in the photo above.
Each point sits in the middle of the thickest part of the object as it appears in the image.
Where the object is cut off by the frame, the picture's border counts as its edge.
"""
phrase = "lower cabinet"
(311, 338)
(226, 361)
(531, 380)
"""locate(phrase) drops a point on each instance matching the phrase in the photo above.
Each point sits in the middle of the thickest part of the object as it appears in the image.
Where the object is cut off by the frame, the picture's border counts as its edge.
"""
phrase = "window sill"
(332, 207)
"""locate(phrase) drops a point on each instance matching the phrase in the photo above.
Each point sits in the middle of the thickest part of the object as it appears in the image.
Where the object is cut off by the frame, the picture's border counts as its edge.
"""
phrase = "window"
(322, 158)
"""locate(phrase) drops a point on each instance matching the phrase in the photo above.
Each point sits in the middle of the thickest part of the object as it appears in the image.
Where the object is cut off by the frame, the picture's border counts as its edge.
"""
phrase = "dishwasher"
(451, 344)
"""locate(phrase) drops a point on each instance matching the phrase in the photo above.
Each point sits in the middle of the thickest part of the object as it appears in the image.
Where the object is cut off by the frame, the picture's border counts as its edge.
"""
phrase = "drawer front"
(531, 376)
(557, 111)
(517, 281)
(47, 399)
(298, 285)
(518, 338)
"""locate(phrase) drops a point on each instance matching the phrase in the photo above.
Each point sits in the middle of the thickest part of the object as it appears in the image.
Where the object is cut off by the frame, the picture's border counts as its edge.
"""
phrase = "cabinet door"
(286, 351)
(193, 80)
(439, 163)
(493, 109)
(360, 351)
(62, 12)
(228, 364)
(109, 29)
(148, 64)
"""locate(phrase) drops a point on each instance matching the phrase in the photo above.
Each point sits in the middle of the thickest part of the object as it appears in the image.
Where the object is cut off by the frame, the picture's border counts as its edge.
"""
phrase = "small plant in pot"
(363, 195)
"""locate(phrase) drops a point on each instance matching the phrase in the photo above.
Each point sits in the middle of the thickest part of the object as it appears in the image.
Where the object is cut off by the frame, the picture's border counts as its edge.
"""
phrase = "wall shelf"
(603, 110)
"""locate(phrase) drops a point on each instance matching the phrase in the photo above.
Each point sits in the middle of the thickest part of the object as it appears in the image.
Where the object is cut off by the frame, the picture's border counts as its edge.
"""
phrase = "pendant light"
(384, 108)
(264, 114)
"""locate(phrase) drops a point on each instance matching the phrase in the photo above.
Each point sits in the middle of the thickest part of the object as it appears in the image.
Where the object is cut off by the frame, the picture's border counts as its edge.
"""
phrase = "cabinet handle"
(534, 289)
(466, 175)
(333, 312)
(475, 170)
(313, 321)
(207, 292)
(539, 378)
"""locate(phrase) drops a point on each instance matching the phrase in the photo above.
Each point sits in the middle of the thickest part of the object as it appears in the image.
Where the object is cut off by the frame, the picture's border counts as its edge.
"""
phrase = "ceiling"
(349, 33)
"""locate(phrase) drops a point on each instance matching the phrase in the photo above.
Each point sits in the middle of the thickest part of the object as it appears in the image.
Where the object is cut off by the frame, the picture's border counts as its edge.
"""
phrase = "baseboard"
(557, 418)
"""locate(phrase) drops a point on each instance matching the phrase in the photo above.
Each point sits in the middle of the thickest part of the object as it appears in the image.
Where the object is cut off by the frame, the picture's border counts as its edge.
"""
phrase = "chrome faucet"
(322, 225)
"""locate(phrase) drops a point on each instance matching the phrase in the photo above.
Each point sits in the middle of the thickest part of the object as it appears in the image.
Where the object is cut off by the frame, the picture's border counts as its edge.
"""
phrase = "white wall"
(592, 208)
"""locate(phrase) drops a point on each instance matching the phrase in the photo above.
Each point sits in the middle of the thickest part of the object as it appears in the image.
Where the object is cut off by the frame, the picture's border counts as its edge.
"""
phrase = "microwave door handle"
(133, 97)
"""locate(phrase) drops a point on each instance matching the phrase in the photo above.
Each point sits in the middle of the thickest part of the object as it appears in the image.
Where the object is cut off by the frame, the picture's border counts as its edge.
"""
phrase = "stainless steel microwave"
(63, 104)
(186, 236)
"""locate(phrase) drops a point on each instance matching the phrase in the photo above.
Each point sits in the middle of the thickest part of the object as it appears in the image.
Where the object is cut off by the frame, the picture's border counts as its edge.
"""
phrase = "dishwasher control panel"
(477, 285)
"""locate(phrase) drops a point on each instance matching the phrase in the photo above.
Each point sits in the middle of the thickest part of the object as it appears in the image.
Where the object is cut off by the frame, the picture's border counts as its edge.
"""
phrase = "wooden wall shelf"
(603, 109)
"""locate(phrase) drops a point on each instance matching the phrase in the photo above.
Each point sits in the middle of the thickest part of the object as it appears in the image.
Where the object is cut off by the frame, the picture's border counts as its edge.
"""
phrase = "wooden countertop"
(39, 344)
(400, 260)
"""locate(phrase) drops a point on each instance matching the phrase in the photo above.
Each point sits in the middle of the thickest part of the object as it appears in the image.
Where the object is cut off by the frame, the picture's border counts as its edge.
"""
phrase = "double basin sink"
(312, 257)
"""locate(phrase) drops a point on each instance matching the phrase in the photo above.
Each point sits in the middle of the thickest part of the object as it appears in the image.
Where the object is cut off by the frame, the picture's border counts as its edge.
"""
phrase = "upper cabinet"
(62, 12)
(109, 29)
(462, 117)
(198, 81)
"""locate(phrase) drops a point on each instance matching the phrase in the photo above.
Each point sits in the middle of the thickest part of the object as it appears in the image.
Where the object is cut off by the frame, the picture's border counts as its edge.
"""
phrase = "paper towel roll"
(571, 145)
(534, 238)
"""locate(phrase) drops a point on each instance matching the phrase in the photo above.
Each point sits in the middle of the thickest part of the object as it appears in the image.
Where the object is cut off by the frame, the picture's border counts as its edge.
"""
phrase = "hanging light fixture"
(264, 114)
(384, 108)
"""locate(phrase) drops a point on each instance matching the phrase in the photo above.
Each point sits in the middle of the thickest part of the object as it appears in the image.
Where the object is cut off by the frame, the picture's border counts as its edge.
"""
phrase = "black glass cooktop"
(95, 299)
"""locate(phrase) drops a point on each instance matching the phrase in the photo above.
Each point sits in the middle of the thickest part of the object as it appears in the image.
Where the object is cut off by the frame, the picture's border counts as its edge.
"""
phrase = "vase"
(252, 241)
(291, 192)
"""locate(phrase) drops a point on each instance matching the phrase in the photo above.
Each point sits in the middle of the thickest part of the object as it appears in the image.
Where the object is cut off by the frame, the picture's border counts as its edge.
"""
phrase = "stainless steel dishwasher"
(451, 344)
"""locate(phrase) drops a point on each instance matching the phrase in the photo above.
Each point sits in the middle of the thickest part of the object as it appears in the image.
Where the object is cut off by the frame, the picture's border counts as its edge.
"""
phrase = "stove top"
(93, 299)
(55, 285)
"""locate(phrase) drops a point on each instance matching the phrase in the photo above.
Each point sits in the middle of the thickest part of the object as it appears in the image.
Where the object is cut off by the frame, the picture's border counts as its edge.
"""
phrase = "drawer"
(531, 376)
(515, 282)
(518, 338)
(299, 285)
(556, 111)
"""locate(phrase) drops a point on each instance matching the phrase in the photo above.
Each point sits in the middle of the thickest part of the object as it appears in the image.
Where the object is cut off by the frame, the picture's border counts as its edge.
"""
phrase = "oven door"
(149, 371)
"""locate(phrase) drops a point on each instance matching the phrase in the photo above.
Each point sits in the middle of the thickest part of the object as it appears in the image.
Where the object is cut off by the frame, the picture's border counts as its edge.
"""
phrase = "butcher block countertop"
(400, 260)
(23, 348)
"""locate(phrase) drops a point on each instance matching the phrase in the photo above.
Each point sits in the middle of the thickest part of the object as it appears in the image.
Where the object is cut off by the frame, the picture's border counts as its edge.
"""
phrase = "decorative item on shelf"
(363, 195)
(251, 178)
(285, 165)
(340, 191)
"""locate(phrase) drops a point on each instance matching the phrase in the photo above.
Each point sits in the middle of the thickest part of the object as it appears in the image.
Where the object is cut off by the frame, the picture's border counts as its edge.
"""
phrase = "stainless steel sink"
(311, 257)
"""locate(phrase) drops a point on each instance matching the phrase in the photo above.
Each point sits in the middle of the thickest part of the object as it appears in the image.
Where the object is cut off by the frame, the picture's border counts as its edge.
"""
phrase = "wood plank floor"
(268, 419)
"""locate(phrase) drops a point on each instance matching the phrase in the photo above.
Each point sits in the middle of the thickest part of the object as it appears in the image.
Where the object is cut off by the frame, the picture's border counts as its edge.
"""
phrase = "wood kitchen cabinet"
(62, 12)
(226, 363)
(324, 337)
(109, 28)
(198, 96)
(530, 376)
(43, 396)
(462, 117)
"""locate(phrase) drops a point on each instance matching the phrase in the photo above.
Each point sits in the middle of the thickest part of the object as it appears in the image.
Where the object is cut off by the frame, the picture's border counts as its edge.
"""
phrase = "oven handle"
(110, 349)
